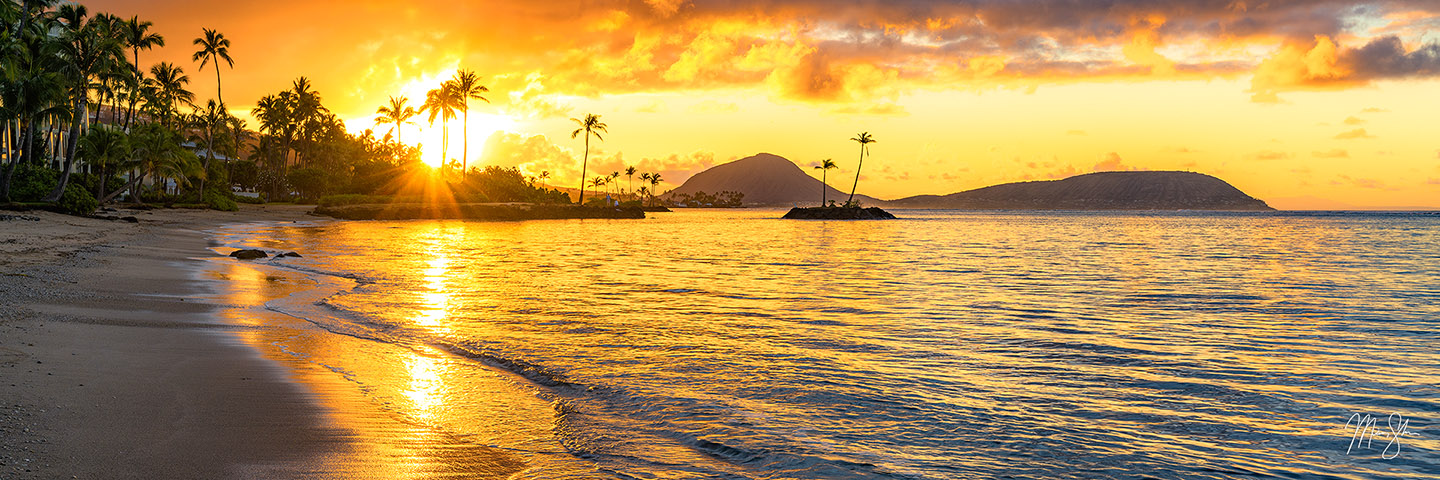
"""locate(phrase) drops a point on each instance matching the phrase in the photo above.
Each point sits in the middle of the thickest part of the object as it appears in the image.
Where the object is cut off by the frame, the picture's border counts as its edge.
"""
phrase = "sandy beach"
(112, 372)
(115, 365)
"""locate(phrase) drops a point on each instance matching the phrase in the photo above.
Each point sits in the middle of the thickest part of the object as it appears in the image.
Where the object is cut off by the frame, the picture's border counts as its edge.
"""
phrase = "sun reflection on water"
(435, 299)
(427, 386)
(364, 402)
(1157, 342)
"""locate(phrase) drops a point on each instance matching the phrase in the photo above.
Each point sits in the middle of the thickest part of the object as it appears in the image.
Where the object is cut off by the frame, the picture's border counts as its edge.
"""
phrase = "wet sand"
(115, 362)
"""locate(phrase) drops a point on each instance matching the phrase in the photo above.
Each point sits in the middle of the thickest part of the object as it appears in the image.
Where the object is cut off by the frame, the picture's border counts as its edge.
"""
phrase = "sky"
(1304, 104)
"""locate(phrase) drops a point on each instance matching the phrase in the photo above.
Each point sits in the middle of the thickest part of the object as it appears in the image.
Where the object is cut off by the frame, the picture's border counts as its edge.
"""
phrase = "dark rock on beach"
(249, 254)
(288, 254)
(838, 213)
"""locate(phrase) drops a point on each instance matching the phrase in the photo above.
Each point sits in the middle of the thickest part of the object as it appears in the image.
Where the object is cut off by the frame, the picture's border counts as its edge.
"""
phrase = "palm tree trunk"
(857, 175)
(20, 153)
(583, 165)
(11, 162)
(130, 111)
(100, 184)
(209, 155)
(27, 144)
(824, 186)
(137, 180)
(75, 128)
(465, 141)
(132, 185)
(139, 74)
(218, 98)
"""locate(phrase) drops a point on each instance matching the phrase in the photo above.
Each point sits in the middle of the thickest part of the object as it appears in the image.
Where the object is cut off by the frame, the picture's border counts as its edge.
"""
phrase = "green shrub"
(250, 200)
(219, 200)
(31, 183)
(311, 182)
(77, 201)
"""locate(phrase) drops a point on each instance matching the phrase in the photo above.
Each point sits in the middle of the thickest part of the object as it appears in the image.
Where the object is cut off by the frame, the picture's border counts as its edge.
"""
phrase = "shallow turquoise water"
(942, 345)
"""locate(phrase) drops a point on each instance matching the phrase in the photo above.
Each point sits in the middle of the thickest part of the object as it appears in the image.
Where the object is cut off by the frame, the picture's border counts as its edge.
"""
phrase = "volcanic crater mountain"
(766, 180)
(771, 180)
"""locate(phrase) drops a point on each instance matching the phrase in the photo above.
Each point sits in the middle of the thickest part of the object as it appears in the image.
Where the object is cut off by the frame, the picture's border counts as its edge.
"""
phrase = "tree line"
(73, 94)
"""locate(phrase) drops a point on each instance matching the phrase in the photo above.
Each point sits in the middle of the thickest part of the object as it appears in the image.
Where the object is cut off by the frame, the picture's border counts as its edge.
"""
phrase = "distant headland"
(1161, 190)
(772, 180)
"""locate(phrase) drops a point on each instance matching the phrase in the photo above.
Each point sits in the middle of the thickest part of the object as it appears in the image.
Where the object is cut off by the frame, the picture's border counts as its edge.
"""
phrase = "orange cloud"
(1111, 162)
(1358, 133)
(1326, 66)
(1295, 67)
(802, 50)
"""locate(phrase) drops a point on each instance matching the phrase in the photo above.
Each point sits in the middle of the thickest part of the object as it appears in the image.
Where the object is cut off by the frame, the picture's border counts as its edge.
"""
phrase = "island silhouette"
(771, 180)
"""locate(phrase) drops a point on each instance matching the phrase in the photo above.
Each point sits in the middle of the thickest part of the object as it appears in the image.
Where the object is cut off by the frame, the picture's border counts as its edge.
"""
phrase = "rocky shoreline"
(838, 213)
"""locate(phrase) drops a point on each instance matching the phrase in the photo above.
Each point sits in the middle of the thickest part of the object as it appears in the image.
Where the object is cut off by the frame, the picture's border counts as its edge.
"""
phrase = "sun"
(431, 137)
(484, 121)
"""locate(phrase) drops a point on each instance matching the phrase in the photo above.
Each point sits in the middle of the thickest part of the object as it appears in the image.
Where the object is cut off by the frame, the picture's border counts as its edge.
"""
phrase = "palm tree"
(114, 68)
(630, 172)
(238, 134)
(442, 102)
(865, 140)
(825, 166)
(274, 114)
(167, 89)
(34, 95)
(598, 181)
(157, 151)
(307, 118)
(397, 113)
(103, 147)
(137, 35)
(611, 179)
(85, 50)
(214, 47)
(209, 124)
(544, 174)
(591, 126)
(467, 86)
(32, 88)
(654, 184)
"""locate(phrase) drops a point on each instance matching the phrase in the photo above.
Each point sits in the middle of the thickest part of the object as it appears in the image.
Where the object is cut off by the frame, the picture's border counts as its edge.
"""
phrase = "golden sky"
(1305, 103)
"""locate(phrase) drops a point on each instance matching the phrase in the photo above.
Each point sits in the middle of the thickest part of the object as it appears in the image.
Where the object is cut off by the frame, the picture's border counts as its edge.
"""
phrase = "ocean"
(945, 344)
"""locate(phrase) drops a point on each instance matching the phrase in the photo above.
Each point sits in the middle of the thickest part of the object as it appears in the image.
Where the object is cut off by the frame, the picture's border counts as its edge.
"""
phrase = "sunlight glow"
(484, 121)
(482, 125)
(426, 389)
(436, 300)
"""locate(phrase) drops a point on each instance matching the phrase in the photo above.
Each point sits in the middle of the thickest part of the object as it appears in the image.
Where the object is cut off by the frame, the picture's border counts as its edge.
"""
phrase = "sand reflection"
(384, 419)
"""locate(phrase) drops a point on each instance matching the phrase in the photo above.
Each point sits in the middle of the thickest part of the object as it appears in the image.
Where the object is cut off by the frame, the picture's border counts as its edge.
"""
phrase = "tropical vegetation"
(591, 126)
(825, 165)
(85, 122)
(864, 139)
